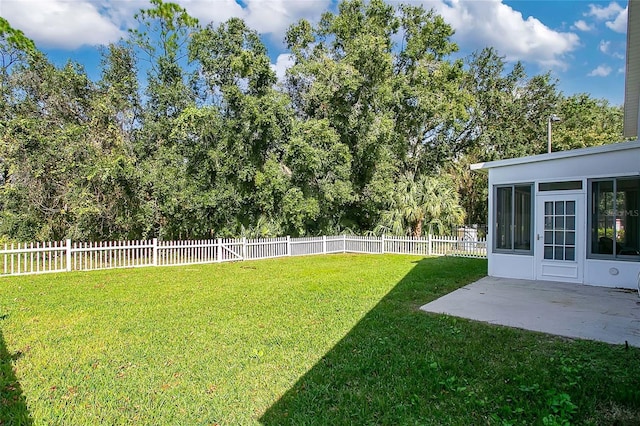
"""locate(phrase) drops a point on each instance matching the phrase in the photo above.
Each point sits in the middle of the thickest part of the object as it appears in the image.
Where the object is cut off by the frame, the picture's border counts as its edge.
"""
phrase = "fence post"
(324, 244)
(382, 244)
(218, 250)
(429, 243)
(68, 254)
(344, 243)
(288, 245)
(155, 252)
(244, 248)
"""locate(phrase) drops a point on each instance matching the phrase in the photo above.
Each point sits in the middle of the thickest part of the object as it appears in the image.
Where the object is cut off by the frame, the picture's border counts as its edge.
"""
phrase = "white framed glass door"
(559, 246)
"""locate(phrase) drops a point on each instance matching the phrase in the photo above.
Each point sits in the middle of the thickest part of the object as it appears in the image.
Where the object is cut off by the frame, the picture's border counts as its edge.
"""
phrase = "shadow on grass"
(13, 405)
(389, 368)
(399, 365)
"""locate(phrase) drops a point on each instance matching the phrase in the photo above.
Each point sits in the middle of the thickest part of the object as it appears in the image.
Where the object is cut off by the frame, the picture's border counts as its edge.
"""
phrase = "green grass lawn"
(313, 340)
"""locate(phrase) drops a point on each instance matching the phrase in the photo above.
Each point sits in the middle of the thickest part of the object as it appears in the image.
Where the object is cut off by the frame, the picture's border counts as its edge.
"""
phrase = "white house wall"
(501, 264)
(609, 273)
(607, 164)
(511, 266)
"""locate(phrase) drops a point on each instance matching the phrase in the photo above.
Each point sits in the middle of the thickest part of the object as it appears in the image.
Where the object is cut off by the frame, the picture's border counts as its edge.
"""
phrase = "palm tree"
(428, 200)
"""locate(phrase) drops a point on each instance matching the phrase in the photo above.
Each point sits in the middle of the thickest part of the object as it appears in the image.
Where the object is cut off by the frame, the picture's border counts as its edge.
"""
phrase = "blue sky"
(582, 43)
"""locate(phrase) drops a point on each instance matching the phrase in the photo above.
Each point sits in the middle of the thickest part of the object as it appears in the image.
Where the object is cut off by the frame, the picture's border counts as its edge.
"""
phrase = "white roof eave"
(557, 155)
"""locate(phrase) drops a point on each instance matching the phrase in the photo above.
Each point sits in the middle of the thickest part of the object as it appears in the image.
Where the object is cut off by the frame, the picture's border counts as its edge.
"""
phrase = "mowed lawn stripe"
(137, 344)
(330, 339)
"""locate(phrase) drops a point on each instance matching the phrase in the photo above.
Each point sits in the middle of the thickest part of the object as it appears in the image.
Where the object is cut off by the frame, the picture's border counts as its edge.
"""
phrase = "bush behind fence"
(62, 256)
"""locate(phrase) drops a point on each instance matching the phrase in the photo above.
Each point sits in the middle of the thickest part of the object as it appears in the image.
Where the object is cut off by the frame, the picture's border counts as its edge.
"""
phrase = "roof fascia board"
(557, 155)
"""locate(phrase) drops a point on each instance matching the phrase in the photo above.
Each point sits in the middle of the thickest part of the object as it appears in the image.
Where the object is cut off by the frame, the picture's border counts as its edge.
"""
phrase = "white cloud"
(605, 47)
(492, 23)
(600, 71)
(72, 23)
(614, 14)
(275, 16)
(271, 17)
(619, 24)
(283, 62)
(582, 26)
(212, 10)
(603, 13)
(622, 70)
(62, 23)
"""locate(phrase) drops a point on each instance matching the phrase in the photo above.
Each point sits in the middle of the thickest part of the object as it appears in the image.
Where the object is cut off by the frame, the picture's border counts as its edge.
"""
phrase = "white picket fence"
(38, 258)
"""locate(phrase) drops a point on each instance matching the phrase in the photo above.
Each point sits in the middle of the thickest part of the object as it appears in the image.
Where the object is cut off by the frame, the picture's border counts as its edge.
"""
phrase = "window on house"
(615, 218)
(560, 186)
(513, 227)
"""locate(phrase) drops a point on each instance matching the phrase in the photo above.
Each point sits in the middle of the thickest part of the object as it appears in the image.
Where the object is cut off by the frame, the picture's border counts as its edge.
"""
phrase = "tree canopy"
(189, 134)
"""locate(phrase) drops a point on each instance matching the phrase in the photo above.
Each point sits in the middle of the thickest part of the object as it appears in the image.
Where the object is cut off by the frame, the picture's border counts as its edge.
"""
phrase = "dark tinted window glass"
(504, 218)
(560, 186)
(615, 217)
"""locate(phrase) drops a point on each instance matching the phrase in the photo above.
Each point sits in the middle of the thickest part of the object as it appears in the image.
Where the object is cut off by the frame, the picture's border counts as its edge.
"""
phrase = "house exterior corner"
(571, 216)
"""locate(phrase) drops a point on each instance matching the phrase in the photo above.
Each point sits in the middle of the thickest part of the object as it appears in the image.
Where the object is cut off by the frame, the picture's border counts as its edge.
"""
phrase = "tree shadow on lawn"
(13, 405)
(386, 369)
(399, 365)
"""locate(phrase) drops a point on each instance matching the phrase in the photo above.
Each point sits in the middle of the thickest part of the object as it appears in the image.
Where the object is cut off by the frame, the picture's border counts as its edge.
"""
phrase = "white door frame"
(556, 258)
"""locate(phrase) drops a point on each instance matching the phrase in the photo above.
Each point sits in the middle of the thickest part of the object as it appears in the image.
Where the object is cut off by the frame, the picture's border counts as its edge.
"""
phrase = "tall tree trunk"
(417, 228)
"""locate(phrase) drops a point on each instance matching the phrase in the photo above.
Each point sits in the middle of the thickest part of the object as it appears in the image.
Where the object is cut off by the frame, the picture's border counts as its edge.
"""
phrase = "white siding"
(606, 164)
(608, 161)
(611, 273)
(511, 266)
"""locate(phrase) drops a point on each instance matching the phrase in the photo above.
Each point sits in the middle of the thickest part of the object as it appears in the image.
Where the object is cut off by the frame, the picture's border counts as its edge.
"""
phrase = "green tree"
(160, 41)
(320, 165)
(509, 114)
(390, 103)
(43, 149)
(507, 118)
(15, 47)
(241, 151)
(374, 126)
(586, 121)
(110, 186)
(432, 102)
(417, 203)
(67, 150)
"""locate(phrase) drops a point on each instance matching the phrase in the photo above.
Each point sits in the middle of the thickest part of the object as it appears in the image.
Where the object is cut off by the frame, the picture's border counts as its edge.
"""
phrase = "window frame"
(590, 218)
(513, 249)
(560, 186)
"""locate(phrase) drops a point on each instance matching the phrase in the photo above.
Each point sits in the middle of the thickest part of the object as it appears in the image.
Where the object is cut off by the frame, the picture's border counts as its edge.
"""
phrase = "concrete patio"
(571, 310)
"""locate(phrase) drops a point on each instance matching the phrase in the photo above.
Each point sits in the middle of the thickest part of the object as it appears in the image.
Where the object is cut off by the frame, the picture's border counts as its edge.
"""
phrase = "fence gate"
(231, 249)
